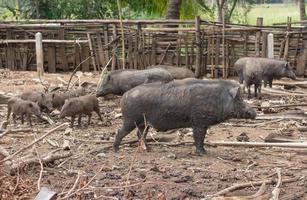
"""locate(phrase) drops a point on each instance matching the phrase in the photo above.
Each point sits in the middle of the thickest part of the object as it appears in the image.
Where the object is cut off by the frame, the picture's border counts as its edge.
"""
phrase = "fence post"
(39, 54)
(258, 35)
(270, 45)
(198, 48)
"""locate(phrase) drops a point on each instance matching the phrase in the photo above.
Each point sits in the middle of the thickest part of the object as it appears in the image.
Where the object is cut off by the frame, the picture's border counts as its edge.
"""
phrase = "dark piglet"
(80, 105)
(44, 101)
(119, 81)
(176, 72)
(180, 104)
(22, 107)
(58, 98)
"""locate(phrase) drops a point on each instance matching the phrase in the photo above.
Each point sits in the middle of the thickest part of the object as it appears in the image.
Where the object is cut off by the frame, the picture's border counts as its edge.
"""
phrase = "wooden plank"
(24, 61)
(198, 48)
(186, 49)
(101, 55)
(90, 44)
(85, 53)
(106, 41)
(51, 58)
(153, 51)
(10, 53)
(77, 55)
(62, 51)
(114, 57)
(178, 56)
(130, 56)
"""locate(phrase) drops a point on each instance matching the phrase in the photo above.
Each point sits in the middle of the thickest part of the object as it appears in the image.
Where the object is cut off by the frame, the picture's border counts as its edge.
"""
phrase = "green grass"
(273, 13)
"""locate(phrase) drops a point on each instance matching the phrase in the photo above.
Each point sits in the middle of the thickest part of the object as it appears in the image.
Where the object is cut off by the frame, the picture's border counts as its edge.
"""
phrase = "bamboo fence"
(208, 48)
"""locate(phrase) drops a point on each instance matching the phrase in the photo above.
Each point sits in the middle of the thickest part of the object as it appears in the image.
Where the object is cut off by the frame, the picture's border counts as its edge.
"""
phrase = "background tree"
(301, 4)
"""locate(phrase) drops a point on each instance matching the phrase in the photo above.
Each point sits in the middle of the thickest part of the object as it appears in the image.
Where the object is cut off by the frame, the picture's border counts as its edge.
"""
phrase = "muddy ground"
(169, 170)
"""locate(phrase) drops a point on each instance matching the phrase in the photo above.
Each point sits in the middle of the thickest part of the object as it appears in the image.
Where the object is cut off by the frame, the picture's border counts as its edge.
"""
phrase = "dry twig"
(34, 142)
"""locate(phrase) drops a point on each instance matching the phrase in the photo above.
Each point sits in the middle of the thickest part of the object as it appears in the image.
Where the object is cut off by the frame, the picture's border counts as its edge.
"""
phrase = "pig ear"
(287, 65)
(234, 91)
(30, 105)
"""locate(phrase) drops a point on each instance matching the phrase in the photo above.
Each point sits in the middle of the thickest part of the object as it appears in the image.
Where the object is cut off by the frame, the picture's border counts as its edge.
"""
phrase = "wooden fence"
(208, 48)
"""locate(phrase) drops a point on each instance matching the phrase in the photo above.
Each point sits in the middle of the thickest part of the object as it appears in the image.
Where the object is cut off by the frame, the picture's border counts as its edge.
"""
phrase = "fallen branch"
(45, 159)
(75, 70)
(34, 142)
(73, 187)
(15, 131)
(259, 144)
(62, 80)
(284, 105)
(280, 117)
(280, 93)
(254, 183)
(276, 191)
(302, 84)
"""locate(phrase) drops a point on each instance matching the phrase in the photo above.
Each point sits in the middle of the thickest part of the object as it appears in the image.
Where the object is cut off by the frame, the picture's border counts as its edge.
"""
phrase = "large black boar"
(176, 72)
(257, 69)
(179, 104)
(22, 107)
(80, 105)
(119, 81)
(58, 98)
(44, 101)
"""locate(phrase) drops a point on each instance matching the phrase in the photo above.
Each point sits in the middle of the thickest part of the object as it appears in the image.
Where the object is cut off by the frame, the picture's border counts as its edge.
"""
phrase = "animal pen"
(208, 48)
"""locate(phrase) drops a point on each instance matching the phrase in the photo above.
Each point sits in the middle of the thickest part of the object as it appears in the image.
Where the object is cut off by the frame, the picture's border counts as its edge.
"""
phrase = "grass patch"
(273, 13)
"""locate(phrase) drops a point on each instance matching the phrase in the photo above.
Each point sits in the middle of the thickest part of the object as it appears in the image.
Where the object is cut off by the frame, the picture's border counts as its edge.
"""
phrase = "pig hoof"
(201, 152)
(116, 149)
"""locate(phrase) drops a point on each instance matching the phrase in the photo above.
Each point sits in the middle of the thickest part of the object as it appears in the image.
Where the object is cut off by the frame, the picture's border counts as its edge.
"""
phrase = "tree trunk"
(302, 9)
(173, 9)
(220, 6)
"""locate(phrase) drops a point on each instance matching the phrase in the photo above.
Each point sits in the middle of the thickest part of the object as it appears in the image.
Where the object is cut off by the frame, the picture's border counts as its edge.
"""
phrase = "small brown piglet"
(44, 101)
(21, 107)
(80, 105)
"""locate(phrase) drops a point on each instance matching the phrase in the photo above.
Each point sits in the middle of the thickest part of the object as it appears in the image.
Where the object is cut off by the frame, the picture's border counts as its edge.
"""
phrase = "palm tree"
(173, 9)
(302, 9)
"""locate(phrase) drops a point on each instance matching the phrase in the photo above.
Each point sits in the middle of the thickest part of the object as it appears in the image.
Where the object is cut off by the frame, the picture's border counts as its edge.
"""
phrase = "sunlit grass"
(273, 13)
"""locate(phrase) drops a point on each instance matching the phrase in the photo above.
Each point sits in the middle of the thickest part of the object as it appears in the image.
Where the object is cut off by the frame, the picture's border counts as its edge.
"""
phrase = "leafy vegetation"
(237, 11)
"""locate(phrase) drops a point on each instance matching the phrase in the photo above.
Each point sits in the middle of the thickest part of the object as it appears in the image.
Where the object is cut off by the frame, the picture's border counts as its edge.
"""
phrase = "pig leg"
(89, 119)
(22, 119)
(98, 113)
(72, 121)
(199, 134)
(29, 119)
(270, 82)
(127, 127)
(14, 118)
(79, 120)
(256, 88)
(9, 110)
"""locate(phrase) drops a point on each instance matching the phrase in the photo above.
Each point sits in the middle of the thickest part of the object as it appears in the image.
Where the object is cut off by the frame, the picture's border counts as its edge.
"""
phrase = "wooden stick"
(254, 183)
(122, 33)
(259, 144)
(15, 131)
(281, 93)
(276, 191)
(284, 105)
(75, 70)
(34, 142)
(164, 54)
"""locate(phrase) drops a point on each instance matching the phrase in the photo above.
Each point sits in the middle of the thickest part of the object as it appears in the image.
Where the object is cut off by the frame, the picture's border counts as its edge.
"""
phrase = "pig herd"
(163, 97)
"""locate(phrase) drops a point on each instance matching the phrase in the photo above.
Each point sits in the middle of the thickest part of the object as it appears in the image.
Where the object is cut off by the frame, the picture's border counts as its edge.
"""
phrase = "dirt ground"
(169, 170)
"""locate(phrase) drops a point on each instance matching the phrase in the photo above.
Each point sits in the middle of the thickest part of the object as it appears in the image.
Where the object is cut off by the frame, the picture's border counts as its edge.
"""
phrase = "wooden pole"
(223, 44)
(258, 35)
(198, 48)
(122, 33)
(270, 45)
(91, 51)
(39, 54)
(286, 50)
